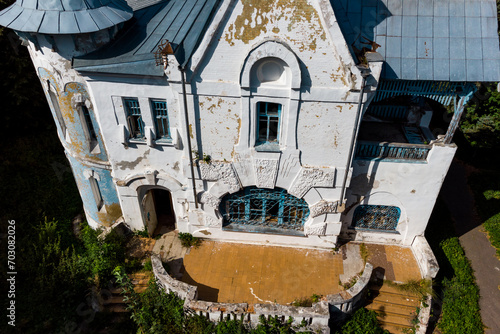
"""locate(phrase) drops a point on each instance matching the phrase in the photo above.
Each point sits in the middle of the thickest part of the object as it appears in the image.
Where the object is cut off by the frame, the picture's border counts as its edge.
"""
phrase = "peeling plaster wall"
(324, 132)
(51, 56)
(111, 209)
(413, 187)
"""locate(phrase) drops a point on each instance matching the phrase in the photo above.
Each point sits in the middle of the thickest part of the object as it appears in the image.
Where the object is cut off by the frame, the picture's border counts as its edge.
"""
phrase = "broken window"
(134, 119)
(268, 122)
(96, 192)
(376, 217)
(161, 119)
(88, 128)
(57, 110)
(265, 208)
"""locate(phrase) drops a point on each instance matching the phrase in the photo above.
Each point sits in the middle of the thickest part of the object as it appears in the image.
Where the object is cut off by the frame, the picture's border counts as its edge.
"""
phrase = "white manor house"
(298, 123)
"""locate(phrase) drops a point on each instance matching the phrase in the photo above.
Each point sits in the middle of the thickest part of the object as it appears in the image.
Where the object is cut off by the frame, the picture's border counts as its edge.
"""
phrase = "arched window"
(264, 210)
(57, 109)
(376, 217)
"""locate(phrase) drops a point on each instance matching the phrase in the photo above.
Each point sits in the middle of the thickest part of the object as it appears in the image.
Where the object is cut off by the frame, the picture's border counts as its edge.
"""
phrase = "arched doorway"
(159, 215)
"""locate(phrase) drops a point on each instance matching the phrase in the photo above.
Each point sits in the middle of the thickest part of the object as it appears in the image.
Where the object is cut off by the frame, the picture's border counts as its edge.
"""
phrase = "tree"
(481, 120)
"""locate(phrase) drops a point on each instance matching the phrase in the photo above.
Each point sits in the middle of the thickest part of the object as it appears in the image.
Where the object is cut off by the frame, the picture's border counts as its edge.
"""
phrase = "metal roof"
(64, 16)
(181, 22)
(445, 40)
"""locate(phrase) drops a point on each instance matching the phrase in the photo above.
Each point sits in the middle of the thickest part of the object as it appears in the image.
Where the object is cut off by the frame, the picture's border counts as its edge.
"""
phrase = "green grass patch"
(460, 313)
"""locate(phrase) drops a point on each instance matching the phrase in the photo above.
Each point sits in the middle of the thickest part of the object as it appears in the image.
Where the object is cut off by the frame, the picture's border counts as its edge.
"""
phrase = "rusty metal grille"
(273, 208)
(376, 217)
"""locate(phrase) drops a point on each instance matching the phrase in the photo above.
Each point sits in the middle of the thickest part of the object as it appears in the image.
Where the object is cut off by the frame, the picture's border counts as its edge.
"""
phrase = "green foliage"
(148, 266)
(492, 225)
(102, 254)
(187, 240)
(460, 312)
(481, 120)
(486, 188)
(361, 322)
(142, 233)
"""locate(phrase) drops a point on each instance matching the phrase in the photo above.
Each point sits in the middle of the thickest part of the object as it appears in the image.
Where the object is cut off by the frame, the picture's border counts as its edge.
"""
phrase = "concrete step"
(388, 308)
(393, 298)
(116, 308)
(395, 320)
(395, 329)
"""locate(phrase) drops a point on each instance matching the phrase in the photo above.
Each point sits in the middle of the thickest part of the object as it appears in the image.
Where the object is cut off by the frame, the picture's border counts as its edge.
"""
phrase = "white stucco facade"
(290, 57)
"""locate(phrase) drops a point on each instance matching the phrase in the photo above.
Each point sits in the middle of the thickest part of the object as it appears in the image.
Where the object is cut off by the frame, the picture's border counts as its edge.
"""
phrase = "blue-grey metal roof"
(64, 16)
(445, 40)
(181, 22)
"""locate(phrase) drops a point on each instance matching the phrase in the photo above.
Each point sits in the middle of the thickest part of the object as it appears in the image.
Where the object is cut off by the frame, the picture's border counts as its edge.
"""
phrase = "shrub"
(460, 313)
(361, 322)
(187, 240)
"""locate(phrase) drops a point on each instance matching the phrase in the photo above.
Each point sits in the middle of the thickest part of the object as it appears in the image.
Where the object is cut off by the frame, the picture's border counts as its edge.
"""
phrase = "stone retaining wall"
(316, 317)
(425, 257)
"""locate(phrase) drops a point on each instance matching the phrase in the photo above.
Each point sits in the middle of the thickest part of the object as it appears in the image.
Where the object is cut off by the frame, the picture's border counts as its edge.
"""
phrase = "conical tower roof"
(65, 16)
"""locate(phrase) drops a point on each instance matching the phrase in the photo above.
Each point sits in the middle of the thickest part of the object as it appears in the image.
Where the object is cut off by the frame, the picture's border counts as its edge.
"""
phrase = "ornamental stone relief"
(212, 222)
(209, 199)
(323, 207)
(220, 171)
(311, 177)
(265, 173)
(316, 229)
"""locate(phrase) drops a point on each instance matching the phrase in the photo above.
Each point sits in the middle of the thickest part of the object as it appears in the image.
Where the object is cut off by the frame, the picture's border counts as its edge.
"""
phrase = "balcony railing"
(392, 151)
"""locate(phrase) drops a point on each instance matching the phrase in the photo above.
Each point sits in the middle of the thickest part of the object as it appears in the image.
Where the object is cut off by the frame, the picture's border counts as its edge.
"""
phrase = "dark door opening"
(159, 212)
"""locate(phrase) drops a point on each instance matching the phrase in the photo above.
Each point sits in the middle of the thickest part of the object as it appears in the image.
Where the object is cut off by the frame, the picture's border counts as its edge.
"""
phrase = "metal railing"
(392, 151)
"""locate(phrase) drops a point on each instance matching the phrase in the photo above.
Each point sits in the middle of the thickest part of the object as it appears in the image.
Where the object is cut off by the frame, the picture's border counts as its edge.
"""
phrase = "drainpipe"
(183, 76)
(364, 73)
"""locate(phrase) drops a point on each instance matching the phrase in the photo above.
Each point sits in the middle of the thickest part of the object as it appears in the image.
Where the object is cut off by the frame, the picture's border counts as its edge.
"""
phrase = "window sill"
(374, 230)
(164, 142)
(137, 141)
(267, 147)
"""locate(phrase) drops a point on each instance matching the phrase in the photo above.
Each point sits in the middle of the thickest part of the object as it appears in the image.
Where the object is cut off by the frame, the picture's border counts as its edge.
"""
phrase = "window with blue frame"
(268, 122)
(376, 217)
(271, 209)
(161, 120)
(134, 118)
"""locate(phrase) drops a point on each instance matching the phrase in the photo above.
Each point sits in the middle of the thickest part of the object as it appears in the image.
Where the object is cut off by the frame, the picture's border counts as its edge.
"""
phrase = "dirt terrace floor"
(235, 273)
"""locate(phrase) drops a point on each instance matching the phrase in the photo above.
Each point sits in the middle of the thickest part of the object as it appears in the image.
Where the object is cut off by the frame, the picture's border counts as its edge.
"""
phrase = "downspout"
(364, 73)
(183, 76)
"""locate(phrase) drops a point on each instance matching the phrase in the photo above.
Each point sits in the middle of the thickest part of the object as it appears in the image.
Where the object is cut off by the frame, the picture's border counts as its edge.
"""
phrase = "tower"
(55, 32)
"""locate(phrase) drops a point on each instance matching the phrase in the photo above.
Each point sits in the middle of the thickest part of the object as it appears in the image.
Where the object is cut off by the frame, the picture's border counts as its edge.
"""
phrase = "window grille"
(90, 125)
(134, 119)
(265, 208)
(376, 217)
(96, 192)
(161, 118)
(268, 122)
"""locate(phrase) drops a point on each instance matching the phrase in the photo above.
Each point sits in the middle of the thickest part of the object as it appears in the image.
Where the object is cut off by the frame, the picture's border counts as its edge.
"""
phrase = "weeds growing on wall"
(187, 240)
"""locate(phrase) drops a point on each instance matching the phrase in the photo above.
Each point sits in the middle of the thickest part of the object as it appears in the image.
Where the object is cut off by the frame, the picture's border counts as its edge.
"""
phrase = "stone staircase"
(395, 309)
(116, 304)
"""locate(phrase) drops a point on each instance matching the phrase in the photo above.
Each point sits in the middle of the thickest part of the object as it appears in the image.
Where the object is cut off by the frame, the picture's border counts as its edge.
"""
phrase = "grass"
(455, 282)
(486, 188)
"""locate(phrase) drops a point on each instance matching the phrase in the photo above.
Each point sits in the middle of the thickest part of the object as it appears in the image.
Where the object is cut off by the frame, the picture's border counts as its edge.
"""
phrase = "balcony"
(394, 133)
